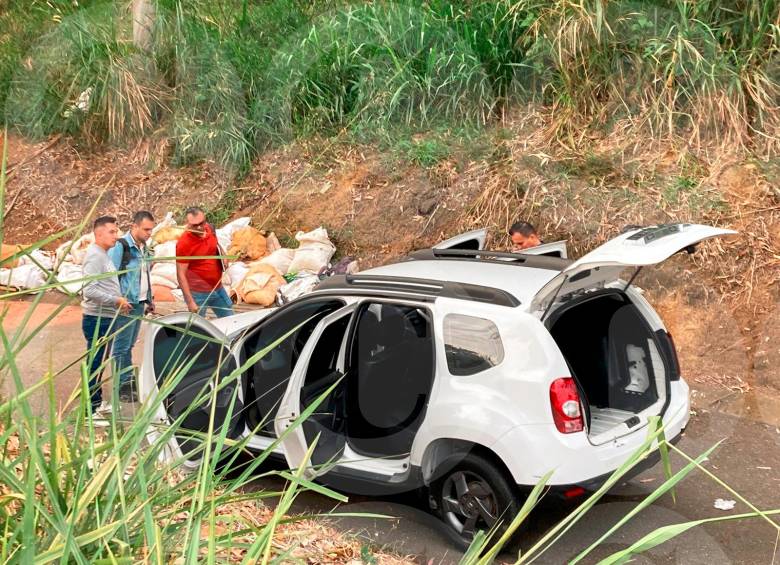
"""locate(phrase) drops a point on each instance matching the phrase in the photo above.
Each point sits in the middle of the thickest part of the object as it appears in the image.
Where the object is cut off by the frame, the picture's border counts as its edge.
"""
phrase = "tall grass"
(227, 78)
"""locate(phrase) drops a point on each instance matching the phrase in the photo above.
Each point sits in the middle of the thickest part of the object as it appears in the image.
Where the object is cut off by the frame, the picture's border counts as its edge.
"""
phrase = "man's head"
(143, 223)
(524, 235)
(106, 231)
(196, 220)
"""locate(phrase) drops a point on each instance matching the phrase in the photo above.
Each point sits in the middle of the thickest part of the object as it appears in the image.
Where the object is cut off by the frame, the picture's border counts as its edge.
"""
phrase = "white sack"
(314, 253)
(166, 270)
(158, 280)
(167, 249)
(43, 258)
(70, 272)
(236, 273)
(280, 259)
(23, 277)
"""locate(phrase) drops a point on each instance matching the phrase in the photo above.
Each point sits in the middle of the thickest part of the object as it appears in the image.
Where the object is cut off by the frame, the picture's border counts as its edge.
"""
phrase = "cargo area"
(614, 357)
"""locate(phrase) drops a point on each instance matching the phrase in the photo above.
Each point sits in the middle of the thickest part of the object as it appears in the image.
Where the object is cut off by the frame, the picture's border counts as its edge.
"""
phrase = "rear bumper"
(596, 483)
(530, 452)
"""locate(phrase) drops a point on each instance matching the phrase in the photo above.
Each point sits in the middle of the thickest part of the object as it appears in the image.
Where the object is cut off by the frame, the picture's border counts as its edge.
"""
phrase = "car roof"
(522, 282)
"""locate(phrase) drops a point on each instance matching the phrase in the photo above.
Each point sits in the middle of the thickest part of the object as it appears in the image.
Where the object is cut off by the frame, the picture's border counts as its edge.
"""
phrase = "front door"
(190, 363)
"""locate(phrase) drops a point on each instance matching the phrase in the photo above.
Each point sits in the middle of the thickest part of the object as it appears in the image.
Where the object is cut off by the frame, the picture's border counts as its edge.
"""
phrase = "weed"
(675, 190)
(425, 152)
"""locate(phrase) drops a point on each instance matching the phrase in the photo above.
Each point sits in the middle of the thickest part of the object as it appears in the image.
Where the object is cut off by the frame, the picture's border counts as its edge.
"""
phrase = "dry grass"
(588, 190)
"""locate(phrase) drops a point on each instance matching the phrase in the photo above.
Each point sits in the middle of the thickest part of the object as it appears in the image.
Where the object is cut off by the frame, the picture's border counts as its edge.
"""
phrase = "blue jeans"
(95, 328)
(128, 327)
(218, 300)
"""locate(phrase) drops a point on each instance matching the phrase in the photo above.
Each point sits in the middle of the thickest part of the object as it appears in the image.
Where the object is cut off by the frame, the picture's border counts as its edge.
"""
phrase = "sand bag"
(162, 293)
(225, 233)
(314, 252)
(260, 285)
(7, 251)
(157, 280)
(166, 270)
(23, 277)
(70, 272)
(236, 273)
(272, 243)
(162, 250)
(37, 257)
(77, 251)
(168, 234)
(247, 244)
(279, 259)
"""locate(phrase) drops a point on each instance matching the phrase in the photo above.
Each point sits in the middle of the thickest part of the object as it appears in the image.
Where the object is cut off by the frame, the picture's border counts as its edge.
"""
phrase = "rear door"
(635, 248)
(552, 249)
(472, 240)
(190, 369)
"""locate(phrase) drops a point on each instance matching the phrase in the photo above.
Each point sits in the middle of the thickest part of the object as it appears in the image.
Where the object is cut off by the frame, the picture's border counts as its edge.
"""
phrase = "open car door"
(320, 369)
(635, 248)
(472, 240)
(187, 361)
(552, 249)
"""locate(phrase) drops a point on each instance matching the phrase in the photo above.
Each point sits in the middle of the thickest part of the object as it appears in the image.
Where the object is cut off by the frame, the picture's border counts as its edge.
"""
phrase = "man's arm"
(181, 276)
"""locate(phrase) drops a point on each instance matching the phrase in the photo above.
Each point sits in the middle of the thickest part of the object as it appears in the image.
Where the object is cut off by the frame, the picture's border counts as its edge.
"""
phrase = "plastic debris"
(722, 504)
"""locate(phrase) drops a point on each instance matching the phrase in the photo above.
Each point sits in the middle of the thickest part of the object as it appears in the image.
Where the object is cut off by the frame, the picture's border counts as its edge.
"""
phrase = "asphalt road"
(748, 460)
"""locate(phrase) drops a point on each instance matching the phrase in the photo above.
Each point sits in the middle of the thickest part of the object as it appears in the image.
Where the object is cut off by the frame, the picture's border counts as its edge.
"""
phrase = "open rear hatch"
(620, 358)
(635, 248)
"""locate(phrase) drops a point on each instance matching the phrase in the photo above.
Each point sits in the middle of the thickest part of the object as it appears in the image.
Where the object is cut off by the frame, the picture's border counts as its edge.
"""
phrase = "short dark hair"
(142, 215)
(524, 228)
(193, 210)
(102, 221)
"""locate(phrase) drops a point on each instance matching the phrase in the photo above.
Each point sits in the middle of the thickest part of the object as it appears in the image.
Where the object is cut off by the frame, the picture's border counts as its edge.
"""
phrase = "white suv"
(465, 372)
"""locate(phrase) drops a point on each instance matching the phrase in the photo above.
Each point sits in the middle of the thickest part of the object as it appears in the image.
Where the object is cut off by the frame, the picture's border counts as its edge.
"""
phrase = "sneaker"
(101, 414)
(100, 421)
(127, 393)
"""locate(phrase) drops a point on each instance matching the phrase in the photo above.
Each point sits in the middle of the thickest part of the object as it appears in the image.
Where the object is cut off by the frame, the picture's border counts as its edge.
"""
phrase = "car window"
(267, 379)
(471, 344)
(182, 345)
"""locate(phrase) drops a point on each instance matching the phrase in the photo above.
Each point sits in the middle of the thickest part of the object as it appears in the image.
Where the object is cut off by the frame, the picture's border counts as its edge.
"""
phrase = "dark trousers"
(95, 329)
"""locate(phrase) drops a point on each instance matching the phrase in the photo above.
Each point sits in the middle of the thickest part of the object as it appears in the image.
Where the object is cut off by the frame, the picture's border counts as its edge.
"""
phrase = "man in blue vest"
(133, 263)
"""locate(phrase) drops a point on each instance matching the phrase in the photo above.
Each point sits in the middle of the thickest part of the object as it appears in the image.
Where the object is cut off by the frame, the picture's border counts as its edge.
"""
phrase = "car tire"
(472, 493)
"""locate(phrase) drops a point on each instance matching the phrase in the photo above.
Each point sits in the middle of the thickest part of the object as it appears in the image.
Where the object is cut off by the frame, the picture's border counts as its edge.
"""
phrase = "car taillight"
(565, 402)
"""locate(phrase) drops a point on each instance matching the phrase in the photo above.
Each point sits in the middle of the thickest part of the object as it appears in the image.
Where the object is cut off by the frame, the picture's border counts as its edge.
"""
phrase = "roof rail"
(498, 257)
(377, 285)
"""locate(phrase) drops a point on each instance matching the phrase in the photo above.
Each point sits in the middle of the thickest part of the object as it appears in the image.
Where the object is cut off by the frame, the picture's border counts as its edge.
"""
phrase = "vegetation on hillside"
(226, 79)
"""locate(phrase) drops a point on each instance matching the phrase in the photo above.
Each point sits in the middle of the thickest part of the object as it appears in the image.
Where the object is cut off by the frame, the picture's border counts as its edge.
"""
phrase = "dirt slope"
(721, 304)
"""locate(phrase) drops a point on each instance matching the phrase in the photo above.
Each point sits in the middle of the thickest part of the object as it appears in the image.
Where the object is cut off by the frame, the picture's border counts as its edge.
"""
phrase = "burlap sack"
(247, 244)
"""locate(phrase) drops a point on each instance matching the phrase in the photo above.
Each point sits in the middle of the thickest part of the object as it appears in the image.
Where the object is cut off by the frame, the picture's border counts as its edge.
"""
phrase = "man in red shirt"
(200, 280)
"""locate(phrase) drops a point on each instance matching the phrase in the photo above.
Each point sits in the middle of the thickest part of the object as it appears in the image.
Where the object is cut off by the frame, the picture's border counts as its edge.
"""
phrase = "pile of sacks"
(267, 273)
(24, 271)
(264, 273)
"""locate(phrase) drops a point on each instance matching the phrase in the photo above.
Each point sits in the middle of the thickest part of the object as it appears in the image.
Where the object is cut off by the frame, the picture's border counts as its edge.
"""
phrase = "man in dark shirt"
(201, 279)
